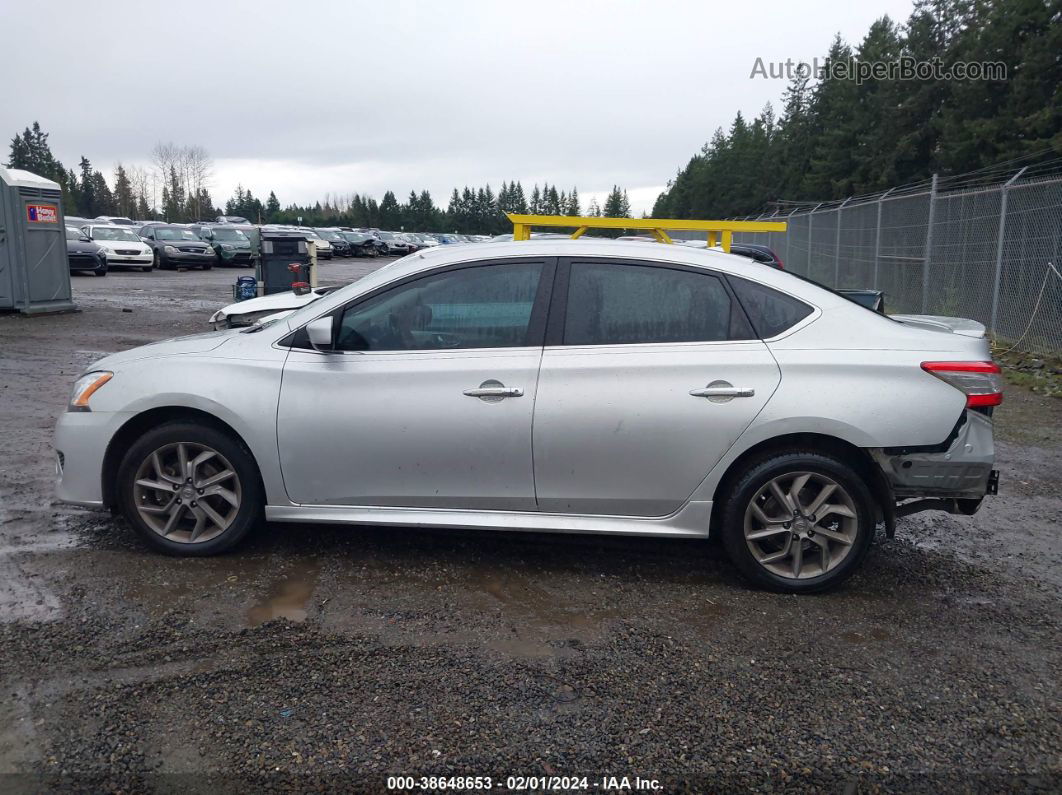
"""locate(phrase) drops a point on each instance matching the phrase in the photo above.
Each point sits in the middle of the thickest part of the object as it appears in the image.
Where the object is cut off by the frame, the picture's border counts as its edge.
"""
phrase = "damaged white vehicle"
(264, 308)
(556, 386)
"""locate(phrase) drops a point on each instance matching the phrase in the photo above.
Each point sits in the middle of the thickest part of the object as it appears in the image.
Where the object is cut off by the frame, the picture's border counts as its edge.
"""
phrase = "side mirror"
(320, 333)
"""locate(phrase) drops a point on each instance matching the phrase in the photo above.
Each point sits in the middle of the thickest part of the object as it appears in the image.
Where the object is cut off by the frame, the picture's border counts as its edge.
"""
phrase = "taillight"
(981, 382)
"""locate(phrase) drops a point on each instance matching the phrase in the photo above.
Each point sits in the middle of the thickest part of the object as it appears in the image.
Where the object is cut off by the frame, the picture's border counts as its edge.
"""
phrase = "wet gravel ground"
(335, 657)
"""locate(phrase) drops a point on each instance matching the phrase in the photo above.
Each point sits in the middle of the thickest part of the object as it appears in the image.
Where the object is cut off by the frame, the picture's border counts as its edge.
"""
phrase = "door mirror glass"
(320, 333)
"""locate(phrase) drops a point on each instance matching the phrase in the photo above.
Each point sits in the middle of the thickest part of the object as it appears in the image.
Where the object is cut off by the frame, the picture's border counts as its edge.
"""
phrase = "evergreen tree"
(390, 214)
(124, 201)
(88, 204)
(173, 199)
(573, 203)
(272, 208)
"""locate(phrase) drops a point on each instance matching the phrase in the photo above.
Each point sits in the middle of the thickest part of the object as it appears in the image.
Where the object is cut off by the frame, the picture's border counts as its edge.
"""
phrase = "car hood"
(276, 302)
(112, 244)
(178, 346)
(81, 247)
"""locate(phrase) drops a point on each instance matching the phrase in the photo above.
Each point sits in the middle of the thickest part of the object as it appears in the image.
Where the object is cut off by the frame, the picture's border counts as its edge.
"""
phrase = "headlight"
(228, 247)
(85, 387)
(169, 249)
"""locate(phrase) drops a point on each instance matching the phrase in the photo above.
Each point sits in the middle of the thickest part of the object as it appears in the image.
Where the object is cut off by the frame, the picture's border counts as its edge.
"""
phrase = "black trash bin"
(279, 251)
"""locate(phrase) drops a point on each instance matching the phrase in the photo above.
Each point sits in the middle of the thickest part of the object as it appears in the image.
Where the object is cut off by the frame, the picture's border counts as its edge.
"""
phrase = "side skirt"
(691, 521)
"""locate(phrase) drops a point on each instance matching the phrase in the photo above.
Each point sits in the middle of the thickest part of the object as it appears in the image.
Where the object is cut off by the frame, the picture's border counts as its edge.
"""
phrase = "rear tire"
(807, 546)
(189, 489)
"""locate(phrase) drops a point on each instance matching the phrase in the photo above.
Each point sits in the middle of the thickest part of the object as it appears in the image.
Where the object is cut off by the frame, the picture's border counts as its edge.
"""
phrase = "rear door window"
(612, 303)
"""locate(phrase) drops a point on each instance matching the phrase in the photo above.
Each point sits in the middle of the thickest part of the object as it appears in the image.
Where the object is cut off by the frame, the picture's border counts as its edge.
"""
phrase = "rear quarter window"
(771, 312)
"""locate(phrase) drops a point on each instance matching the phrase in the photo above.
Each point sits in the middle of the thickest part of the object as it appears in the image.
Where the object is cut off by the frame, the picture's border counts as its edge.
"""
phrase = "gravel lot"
(329, 657)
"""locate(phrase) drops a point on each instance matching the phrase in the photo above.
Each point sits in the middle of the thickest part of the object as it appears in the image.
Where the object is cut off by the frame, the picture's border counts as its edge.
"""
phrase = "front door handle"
(723, 391)
(492, 391)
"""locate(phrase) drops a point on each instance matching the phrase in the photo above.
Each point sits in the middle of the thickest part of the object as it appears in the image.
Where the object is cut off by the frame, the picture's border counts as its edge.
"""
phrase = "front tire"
(798, 522)
(189, 489)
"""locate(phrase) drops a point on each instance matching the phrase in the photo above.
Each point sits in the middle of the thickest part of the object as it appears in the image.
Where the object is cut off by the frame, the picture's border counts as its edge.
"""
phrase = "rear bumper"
(961, 468)
(953, 476)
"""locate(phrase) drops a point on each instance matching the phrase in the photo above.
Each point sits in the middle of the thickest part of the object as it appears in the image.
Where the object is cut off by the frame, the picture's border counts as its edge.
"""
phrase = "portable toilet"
(34, 271)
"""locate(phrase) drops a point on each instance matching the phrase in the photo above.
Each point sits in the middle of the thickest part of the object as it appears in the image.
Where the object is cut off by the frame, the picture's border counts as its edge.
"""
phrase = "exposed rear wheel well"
(141, 423)
(855, 457)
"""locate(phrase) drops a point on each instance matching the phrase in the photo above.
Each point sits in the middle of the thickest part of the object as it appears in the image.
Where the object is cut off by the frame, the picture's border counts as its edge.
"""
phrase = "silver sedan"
(559, 386)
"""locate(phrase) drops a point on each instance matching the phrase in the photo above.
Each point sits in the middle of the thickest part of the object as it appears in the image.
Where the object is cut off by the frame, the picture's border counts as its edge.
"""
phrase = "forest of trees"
(474, 210)
(838, 137)
(176, 188)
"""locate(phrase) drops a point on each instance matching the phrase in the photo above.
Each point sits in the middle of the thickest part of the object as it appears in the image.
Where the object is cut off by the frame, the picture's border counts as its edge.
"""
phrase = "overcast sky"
(308, 98)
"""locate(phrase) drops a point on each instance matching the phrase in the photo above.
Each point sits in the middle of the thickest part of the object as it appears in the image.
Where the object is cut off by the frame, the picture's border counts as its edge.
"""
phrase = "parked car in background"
(123, 246)
(755, 405)
(76, 221)
(361, 244)
(83, 254)
(392, 244)
(231, 219)
(176, 247)
(339, 244)
(229, 242)
(116, 220)
(324, 248)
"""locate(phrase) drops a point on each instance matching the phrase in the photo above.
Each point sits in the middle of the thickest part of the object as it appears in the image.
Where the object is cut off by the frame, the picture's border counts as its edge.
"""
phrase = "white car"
(556, 386)
(263, 308)
(123, 246)
(324, 248)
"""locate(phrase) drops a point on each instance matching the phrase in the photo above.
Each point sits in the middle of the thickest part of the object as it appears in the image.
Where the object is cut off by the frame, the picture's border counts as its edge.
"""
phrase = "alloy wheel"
(187, 492)
(801, 525)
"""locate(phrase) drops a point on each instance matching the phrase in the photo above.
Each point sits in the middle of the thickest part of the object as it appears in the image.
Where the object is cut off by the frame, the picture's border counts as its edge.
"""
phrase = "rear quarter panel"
(857, 376)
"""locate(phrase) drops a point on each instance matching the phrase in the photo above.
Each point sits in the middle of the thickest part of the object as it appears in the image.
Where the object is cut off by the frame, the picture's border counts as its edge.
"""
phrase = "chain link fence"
(988, 252)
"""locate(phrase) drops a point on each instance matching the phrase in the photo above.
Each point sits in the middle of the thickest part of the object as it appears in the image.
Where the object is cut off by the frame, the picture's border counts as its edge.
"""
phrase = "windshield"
(73, 234)
(385, 236)
(331, 235)
(173, 233)
(230, 235)
(355, 237)
(110, 233)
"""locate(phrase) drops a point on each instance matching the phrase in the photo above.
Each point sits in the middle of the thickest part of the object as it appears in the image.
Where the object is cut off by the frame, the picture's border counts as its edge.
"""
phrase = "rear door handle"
(493, 390)
(723, 391)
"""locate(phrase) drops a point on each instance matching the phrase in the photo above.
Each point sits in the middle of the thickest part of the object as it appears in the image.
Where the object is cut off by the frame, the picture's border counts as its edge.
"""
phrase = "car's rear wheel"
(798, 522)
(189, 489)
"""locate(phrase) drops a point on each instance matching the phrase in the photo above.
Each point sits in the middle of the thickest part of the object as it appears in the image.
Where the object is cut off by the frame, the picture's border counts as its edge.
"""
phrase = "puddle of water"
(288, 597)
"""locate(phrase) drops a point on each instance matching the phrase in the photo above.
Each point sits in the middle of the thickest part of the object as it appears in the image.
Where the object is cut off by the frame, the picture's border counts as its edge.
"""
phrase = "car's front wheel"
(189, 489)
(798, 522)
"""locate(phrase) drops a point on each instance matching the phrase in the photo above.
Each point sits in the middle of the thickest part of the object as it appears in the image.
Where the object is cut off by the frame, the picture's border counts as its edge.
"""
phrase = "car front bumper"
(86, 262)
(137, 260)
(81, 439)
(186, 260)
(237, 257)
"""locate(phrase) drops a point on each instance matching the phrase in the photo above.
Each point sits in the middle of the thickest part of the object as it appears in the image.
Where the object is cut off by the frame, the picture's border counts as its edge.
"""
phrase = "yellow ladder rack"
(717, 231)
